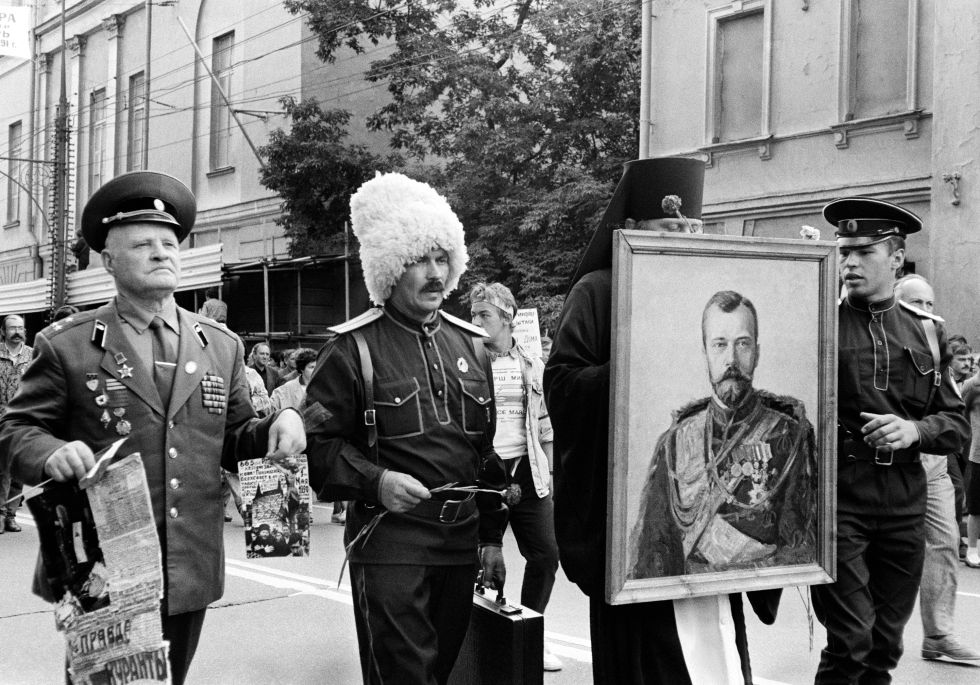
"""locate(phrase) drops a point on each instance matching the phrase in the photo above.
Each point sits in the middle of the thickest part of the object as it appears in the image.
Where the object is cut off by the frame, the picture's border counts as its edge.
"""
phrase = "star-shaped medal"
(125, 371)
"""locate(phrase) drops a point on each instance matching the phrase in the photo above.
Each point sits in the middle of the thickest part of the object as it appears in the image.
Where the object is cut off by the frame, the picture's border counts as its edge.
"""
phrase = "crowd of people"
(438, 433)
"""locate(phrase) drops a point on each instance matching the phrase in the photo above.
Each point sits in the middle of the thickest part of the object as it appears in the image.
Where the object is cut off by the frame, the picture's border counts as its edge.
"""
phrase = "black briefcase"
(504, 645)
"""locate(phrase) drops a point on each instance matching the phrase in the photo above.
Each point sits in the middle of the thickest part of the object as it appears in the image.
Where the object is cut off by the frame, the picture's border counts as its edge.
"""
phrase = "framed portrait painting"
(724, 370)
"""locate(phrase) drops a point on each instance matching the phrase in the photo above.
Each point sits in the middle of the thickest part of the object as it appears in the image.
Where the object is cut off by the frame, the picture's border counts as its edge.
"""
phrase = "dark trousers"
(533, 523)
(879, 565)
(410, 620)
(636, 644)
(183, 631)
(9, 489)
(956, 468)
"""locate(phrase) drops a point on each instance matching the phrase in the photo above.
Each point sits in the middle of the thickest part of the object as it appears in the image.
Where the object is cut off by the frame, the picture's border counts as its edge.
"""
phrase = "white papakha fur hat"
(397, 220)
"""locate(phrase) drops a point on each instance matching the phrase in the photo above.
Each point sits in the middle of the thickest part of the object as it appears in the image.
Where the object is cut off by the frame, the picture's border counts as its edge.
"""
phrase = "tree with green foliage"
(315, 170)
(523, 112)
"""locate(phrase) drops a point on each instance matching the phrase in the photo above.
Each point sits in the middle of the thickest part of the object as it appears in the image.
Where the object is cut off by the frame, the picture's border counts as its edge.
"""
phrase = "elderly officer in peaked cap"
(633, 642)
(892, 404)
(401, 421)
(169, 381)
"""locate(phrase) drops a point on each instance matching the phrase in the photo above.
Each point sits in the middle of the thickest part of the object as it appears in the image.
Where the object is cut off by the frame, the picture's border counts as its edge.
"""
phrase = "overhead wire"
(383, 74)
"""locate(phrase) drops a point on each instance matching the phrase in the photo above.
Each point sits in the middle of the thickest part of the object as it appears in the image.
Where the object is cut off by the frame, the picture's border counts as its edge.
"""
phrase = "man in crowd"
(733, 481)
(214, 307)
(643, 642)
(168, 380)
(937, 593)
(401, 421)
(14, 358)
(261, 361)
(894, 403)
(523, 441)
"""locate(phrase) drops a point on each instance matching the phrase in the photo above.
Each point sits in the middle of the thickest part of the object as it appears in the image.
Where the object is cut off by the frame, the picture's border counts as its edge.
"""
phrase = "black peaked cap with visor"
(138, 197)
(862, 221)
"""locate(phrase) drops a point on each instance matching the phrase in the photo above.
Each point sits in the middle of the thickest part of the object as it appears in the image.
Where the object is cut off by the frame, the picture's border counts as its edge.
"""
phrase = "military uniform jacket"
(433, 399)
(885, 366)
(86, 384)
(729, 489)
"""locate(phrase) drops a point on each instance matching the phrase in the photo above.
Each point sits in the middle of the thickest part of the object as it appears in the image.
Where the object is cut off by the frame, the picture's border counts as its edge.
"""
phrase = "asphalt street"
(286, 622)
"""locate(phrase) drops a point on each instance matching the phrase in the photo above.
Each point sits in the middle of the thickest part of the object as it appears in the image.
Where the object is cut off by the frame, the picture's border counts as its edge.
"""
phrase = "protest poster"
(527, 331)
(276, 501)
(103, 568)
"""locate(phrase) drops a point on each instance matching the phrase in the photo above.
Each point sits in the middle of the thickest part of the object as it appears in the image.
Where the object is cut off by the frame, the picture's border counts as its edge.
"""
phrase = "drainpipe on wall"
(646, 67)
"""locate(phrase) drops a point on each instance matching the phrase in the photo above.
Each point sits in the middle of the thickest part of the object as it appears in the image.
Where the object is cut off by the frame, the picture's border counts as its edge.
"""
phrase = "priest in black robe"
(631, 643)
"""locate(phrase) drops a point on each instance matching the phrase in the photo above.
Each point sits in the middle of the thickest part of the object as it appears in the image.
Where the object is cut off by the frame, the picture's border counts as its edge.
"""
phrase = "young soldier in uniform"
(650, 642)
(401, 421)
(893, 402)
(170, 381)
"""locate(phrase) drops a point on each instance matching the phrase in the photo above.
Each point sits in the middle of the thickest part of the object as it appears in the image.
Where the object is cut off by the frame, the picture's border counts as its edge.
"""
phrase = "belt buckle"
(891, 458)
(369, 417)
(452, 505)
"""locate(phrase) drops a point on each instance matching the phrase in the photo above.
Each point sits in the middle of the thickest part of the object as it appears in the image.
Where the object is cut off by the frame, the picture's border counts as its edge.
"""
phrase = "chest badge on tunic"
(462, 365)
(123, 427)
(125, 371)
(92, 381)
(105, 418)
(101, 400)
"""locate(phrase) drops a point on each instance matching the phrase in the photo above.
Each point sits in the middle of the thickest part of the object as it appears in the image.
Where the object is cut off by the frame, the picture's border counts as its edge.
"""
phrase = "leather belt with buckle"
(446, 511)
(855, 450)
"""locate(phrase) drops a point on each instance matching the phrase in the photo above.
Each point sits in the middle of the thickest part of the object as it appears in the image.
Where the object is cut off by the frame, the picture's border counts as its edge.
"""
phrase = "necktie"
(164, 360)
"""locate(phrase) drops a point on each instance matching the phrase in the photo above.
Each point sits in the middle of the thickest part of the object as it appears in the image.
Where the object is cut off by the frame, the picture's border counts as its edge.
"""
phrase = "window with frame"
(878, 58)
(880, 61)
(97, 140)
(220, 133)
(738, 84)
(136, 103)
(15, 150)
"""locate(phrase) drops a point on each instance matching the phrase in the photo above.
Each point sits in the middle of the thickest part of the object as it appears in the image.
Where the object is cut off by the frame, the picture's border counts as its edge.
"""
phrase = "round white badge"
(190, 367)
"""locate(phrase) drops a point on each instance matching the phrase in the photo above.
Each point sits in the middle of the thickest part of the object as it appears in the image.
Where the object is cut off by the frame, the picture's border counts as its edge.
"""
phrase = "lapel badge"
(462, 365)
(125, 371)
(98, 333)
(201, 338)
(190, 367)
(123, 427)
(120, 358)
(101, 400)
(105, 418)
(92, 381)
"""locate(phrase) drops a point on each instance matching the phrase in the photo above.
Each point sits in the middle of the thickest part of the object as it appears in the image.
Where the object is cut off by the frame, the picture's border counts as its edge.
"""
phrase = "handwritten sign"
(527, 331)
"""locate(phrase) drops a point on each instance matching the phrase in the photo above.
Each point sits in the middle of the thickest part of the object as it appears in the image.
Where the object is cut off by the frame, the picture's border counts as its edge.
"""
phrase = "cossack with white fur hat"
(397, 220)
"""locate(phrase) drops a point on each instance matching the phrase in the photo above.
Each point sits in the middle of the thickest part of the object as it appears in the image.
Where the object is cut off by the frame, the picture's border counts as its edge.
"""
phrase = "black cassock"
(633, 643)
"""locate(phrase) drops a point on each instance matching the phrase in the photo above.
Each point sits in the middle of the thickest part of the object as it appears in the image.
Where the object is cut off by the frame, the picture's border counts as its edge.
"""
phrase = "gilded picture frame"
(721, 481)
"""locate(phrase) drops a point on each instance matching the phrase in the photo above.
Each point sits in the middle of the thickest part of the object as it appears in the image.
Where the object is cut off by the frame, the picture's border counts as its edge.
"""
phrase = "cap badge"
(158, 204)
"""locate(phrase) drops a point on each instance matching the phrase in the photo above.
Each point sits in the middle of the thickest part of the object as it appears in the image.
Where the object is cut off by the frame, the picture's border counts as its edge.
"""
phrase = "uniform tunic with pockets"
(885, 366)
(87, 383)
(435, 415)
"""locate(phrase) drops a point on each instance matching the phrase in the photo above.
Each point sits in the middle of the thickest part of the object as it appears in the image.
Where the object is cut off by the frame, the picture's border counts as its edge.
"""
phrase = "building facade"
(796, 102)
(140, 95)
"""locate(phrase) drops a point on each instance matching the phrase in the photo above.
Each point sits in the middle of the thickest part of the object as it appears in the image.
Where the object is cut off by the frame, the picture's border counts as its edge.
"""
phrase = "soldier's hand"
(70, 461)
(494, 570)
(287, 434)
(888, 432)
(400, 492)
